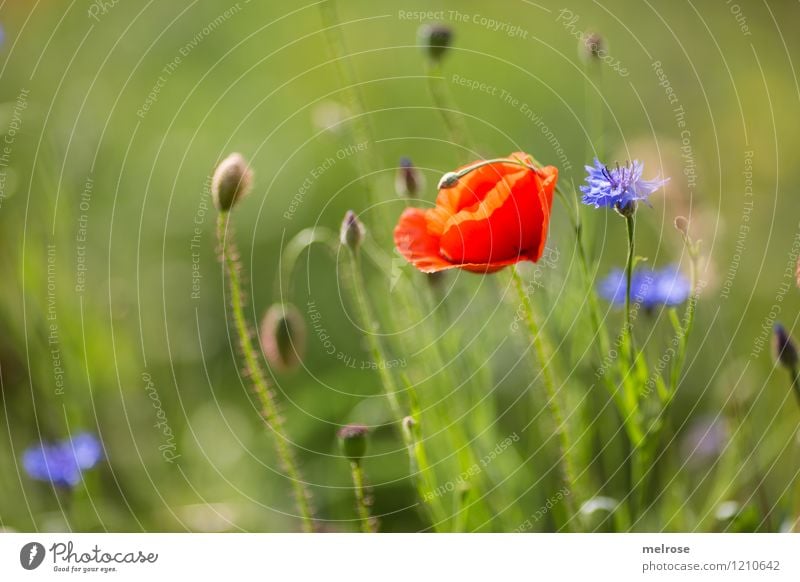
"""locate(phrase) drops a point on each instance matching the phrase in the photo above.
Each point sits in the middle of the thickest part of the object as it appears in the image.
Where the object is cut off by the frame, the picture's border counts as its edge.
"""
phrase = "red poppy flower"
(494, 216)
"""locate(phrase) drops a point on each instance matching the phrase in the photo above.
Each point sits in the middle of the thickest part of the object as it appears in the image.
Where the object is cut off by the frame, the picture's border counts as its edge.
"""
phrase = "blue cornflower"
(649, 287)
(618, 187)
(62, 463)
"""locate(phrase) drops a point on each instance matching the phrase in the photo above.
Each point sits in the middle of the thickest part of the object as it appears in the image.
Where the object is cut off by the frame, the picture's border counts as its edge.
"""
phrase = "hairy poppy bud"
(591, 47)
(231, 181)
(785, 348)
(408, 181)
(353, 438)
(449, 180)
(435, 39)
(352, 231)
(283, 336)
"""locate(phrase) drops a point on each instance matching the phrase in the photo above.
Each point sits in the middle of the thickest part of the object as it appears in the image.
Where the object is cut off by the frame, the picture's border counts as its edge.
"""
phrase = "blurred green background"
(115, 114)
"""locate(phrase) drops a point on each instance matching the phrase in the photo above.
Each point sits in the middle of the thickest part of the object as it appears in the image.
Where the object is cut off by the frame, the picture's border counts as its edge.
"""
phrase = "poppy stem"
(269, 409)
(549, 384)
(368, 323)
(456, 128)
(368, 524)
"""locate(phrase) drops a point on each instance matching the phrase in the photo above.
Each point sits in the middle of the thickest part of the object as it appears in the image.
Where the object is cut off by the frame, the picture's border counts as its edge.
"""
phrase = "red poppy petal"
(473, 188)
(504, 226)
(417, 244)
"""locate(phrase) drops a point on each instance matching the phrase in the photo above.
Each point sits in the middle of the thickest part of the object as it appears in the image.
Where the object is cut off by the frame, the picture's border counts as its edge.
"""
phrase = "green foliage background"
(251, 84)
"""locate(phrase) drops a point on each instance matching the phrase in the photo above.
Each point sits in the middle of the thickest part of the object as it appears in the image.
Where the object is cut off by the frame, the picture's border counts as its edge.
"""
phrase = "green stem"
(796, 382)
(630, 223)
(456, 128)
(269, 409)
(549, 384)
(368, 525)
(368, 323)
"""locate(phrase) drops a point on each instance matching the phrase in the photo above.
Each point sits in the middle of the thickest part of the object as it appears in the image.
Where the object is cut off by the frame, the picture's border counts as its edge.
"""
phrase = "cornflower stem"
(368, 525)
(269, 409)
(456, 128)
(630, 223)
(369, 326)
(567, 466)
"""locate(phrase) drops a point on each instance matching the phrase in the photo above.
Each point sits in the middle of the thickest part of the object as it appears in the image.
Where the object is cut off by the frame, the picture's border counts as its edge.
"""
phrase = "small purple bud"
(435, 39)
(785, 348)
(352, 231)
(353, 439)
(408, 181)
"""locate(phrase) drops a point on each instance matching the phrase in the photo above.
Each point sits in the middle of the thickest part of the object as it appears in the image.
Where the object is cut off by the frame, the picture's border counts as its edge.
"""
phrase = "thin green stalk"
(368, 524)
(456, 128)
(796, 382)
(549, 384)
(368, 324)
(422, 471)
(630, 223)
(269, 409)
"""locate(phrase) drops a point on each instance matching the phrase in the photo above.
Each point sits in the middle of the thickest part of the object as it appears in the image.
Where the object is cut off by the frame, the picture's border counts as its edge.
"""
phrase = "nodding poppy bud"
(352, 231)
(785, 348)
(353, 439)
(408, 181)
(283, 336)
(231, 181)
(682, 225)
(449, 180)
(435, 39)
(592, 47)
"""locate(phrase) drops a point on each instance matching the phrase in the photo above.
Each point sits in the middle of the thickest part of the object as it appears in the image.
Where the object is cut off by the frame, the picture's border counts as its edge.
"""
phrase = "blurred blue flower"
(62, 463)
(617, 187)
(649, 287)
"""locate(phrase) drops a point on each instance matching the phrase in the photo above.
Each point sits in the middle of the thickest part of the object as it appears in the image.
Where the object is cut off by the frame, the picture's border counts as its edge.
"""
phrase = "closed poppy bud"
(353, 439)
(408, 181)
(785, 348)
(283, 336)
(231, 181)
(435, 39)
(496, 215)
(352, 231)
(449, 180)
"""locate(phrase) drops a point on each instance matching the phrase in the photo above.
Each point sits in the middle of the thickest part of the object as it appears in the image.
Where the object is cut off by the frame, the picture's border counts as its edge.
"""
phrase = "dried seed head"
(408, 181)
(352, 231)
(353, 439)
(435, 39)
(283, 336)
(231, 181)
(785, 348)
